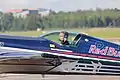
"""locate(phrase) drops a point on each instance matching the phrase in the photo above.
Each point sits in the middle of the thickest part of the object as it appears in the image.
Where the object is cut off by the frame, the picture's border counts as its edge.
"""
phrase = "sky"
(64, 5)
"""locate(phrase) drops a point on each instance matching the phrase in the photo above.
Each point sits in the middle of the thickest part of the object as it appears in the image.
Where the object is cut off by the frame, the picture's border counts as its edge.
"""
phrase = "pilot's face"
(61, 36)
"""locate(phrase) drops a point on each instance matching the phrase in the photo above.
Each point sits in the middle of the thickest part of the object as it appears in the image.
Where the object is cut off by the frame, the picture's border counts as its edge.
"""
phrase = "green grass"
(24, 33)
(97, 32)
(105, 32)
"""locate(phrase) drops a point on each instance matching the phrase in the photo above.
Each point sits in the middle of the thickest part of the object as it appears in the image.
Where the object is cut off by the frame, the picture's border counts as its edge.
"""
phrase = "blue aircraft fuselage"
(86, 46)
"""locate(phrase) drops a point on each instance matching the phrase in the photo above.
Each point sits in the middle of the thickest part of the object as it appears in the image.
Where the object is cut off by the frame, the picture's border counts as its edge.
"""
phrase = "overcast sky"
(66, 5)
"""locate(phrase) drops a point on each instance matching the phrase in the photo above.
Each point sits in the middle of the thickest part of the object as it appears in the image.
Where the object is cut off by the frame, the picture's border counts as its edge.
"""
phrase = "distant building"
(19, 12)
(24, 12)
(33, 11)
(43, 12)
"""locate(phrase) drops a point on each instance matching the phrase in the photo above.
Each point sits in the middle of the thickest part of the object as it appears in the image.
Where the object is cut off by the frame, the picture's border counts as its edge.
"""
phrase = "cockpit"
(73, 38)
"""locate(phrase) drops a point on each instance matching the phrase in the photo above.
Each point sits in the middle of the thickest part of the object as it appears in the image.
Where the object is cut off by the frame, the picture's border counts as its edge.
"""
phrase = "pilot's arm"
(65, 43)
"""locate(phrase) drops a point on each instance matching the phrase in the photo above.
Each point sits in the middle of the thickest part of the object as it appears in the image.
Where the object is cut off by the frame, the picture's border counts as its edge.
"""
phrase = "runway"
(56, 77)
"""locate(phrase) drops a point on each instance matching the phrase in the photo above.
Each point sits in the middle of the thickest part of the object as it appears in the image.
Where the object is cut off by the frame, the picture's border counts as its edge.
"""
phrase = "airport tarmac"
(56, 77)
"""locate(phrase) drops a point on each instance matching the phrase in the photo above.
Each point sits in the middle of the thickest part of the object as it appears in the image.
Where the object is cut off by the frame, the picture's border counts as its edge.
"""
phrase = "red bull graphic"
(110, 51)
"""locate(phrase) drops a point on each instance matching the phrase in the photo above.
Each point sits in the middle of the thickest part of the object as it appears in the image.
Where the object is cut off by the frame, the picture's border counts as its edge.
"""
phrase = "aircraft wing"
(18, 55)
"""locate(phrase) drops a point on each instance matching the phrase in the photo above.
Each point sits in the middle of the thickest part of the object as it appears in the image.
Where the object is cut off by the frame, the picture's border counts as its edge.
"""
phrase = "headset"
(66, 35)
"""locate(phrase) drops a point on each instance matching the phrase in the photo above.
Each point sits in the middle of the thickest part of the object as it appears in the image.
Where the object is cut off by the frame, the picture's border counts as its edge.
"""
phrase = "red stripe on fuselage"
(83, 55)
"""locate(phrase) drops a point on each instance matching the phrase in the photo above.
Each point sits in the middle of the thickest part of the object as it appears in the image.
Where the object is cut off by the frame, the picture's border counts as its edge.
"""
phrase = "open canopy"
(54, 36)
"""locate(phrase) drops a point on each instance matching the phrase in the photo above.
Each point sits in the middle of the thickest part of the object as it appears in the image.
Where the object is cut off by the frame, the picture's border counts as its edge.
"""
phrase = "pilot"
(63, 37)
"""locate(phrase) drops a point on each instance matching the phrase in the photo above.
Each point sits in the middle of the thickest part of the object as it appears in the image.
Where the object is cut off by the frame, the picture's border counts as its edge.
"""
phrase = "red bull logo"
(110, 51)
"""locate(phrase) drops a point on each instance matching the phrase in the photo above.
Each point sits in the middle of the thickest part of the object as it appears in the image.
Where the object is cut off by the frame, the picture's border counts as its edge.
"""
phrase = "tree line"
(76, 19)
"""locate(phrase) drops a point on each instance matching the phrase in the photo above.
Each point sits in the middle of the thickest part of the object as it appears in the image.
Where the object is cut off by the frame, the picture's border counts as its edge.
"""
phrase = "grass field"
(97, 32)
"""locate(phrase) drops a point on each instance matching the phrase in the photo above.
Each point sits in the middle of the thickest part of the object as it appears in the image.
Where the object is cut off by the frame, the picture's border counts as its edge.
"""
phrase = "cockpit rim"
(53, 32)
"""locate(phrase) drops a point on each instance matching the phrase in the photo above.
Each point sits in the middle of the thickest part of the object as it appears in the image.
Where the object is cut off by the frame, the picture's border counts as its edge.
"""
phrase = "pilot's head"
(63, 36)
